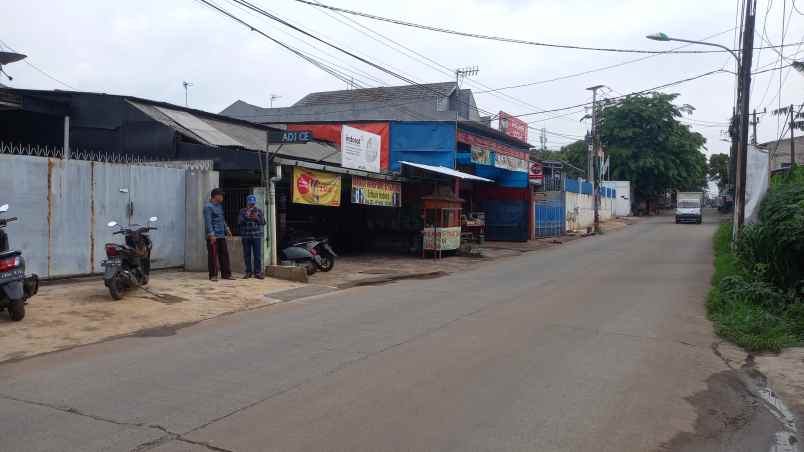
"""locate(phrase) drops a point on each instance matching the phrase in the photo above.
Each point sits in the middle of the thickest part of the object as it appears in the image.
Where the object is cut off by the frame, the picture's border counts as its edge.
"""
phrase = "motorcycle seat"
(10, 253)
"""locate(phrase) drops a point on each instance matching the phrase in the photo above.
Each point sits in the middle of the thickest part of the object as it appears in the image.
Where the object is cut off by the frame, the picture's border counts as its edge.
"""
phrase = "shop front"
(504, 205)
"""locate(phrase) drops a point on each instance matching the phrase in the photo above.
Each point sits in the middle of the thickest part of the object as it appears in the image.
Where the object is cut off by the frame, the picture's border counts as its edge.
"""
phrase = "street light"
(741, 109)
(663, 37)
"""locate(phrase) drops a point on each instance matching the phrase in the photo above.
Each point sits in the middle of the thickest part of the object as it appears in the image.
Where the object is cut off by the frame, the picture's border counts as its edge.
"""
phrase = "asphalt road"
(601, 344)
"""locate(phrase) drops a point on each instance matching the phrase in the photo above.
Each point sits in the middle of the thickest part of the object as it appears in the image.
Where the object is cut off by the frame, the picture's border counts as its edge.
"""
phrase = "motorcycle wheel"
(327, 262)
(116, 287)
(311, 268)
(16, 310)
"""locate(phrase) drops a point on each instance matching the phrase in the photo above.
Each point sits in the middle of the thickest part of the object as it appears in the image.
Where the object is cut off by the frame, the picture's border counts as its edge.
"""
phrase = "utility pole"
(543, 139)
(792, 143)
(594, 170)
(745, 90)
(754, 123)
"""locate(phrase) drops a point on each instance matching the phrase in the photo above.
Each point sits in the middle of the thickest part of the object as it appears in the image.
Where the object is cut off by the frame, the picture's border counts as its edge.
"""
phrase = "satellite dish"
(10, 57)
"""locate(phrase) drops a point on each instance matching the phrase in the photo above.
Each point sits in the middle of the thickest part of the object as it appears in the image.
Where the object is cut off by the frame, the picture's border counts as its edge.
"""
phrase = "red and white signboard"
(513, 127)
(536, 173)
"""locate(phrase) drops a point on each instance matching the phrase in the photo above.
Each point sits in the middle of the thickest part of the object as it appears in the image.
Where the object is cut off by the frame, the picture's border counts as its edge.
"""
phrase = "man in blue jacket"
(250, 226)
(217, 230)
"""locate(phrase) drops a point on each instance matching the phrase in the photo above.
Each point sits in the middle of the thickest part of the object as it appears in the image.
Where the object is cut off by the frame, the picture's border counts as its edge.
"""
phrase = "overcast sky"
(146, 48)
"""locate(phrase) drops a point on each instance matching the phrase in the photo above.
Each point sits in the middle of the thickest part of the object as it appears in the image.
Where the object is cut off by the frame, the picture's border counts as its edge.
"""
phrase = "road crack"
(167, 434)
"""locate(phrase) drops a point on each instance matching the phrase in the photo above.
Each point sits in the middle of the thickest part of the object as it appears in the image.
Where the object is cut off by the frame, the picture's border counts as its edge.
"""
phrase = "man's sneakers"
(259, 276)
(248, 275)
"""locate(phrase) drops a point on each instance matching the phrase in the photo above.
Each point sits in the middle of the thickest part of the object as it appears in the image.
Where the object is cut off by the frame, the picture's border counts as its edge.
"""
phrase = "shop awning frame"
(446, 171)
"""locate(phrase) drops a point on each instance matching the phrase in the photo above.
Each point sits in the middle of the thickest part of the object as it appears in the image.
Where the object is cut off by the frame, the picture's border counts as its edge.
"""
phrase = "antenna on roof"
(186, 85)
(272, 99)
(464, 72)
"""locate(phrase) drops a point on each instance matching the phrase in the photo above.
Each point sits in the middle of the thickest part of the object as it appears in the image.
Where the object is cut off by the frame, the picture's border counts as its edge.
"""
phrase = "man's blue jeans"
(252, 247)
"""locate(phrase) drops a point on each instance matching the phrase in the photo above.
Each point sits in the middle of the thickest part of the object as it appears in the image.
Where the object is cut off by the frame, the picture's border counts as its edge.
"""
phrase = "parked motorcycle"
(311, 253)
(320, 247)
(128, 265)
(15, 287)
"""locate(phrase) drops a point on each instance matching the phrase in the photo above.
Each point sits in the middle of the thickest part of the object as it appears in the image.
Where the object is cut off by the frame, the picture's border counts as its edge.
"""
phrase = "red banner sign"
(513, 127)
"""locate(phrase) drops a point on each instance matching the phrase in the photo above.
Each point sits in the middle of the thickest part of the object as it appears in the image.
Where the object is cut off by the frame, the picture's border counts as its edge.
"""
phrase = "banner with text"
(373, 192)
(360, 149)
(316, 187)
(513, 126)
(441, 239)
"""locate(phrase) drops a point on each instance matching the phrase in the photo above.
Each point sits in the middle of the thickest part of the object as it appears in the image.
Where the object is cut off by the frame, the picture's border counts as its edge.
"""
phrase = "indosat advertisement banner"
(316, 187)
(360, 149)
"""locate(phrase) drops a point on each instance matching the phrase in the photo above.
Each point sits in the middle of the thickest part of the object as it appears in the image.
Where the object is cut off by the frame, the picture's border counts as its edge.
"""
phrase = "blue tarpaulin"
(428, 142)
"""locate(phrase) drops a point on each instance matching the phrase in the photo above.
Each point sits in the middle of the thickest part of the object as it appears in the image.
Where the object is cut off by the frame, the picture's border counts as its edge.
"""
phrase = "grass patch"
(748, 312)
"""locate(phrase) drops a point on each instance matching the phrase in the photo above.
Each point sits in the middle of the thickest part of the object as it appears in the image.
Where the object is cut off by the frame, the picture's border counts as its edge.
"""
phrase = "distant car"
(689, 207)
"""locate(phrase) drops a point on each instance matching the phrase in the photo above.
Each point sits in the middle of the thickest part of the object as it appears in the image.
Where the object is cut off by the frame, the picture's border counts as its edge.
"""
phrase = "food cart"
(441, 216)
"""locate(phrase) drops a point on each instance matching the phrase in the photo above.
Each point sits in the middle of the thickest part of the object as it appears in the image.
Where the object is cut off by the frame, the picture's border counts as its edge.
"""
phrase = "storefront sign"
(513, 127)
(372, 192)
(536, 173)
(316, 187)
(510, 163)
(482, 156)
(289, 136)
(442, 239)
(360, 150)
(485, 143)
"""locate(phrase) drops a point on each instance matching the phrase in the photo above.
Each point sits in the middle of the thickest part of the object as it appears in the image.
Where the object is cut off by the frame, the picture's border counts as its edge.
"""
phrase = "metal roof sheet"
(381, 94)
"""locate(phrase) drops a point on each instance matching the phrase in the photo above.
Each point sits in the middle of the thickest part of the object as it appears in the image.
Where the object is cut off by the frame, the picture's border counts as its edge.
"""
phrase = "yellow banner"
(316, 187)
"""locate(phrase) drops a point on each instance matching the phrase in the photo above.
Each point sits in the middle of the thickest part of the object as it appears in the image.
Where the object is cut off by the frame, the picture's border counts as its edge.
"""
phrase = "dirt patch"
(64, 316)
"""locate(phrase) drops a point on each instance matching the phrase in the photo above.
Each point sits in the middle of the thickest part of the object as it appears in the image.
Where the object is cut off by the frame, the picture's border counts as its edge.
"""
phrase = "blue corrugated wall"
(428, 142)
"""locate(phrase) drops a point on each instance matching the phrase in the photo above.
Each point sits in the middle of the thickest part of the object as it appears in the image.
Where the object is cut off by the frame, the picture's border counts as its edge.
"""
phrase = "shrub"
(773, 250)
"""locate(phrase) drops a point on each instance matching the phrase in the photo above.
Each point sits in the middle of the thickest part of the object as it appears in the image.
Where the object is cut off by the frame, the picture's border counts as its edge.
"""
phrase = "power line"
(336, 47)
(347, 68)
(666, 85)
(499, 38)
(38, 69)
(598, 69)
(423, 59)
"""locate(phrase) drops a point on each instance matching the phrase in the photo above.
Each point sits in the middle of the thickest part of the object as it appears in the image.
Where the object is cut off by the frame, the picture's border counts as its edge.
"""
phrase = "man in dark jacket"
(217, 230)
(250, 226)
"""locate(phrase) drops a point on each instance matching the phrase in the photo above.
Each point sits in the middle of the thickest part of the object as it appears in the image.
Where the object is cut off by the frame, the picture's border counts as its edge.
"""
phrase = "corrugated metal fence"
(63, 207)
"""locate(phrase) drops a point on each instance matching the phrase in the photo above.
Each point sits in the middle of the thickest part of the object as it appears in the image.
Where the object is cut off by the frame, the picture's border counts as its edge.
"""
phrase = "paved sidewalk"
(77, 313)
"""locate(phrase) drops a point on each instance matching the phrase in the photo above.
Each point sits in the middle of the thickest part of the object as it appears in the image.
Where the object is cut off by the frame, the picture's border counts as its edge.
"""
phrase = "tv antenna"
(186, 86)
(7, 58)
(464, 72)
(272, 99)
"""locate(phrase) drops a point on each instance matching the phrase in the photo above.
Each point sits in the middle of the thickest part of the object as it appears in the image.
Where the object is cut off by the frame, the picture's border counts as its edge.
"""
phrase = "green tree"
(650, 147)
(719, 170)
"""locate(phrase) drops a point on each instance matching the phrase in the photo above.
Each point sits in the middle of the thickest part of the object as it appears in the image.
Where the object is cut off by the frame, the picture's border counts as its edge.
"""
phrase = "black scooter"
(314, 254)
(15, 287)
(319, 247)
(128, 265)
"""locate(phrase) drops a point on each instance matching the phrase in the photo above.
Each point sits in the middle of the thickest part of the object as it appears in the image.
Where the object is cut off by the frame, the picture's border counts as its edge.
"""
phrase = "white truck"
(689, 205)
